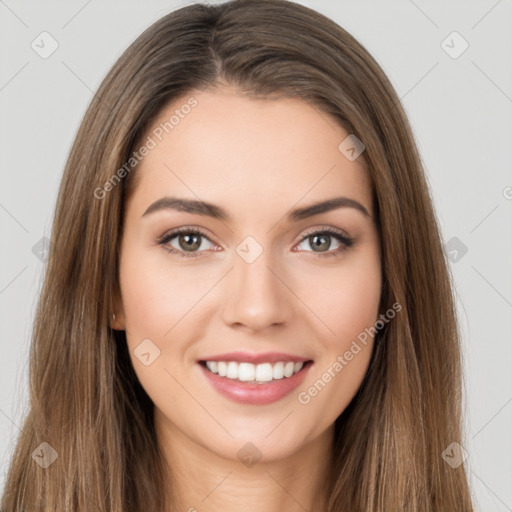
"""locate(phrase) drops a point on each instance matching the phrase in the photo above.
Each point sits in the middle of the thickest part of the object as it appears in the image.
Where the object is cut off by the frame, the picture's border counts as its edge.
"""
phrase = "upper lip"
(248, 357)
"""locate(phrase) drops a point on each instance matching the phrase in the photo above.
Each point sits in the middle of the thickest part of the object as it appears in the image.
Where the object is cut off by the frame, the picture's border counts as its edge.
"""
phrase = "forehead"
(252, 151)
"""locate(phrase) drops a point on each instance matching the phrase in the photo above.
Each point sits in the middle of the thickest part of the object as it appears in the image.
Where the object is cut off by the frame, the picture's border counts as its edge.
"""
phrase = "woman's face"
(259, 285)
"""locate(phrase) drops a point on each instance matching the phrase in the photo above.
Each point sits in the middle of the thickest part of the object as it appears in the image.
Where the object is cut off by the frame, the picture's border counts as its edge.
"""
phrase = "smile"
(254, 379)
(255, 374)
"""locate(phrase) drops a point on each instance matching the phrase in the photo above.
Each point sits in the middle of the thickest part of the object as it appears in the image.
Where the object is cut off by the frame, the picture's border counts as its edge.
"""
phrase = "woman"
(247, 304)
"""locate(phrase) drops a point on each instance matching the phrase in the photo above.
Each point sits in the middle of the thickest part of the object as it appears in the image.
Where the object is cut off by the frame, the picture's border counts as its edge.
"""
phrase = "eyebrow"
(216, 212)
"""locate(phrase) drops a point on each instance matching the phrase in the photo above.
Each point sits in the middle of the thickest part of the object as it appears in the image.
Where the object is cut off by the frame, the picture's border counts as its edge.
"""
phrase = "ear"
(117, 319)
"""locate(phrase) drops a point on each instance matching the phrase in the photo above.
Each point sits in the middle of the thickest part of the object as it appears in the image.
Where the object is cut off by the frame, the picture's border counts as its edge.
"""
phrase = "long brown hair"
(85, 399)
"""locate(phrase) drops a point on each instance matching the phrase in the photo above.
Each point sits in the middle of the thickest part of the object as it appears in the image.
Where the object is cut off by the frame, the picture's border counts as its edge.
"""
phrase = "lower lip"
(255, 394)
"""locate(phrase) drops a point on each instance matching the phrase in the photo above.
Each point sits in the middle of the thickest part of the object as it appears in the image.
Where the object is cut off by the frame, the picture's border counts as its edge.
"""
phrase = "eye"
(321, 239)
(189, 242)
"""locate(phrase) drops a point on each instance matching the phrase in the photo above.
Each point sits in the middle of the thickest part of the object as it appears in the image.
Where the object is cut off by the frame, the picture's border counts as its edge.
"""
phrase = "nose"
(257, 295)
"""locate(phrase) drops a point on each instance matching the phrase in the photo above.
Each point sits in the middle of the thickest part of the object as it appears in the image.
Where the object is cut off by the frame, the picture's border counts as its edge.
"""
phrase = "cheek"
(146, 301)
(357, 302)
(155, 295)
(152, 304)
(345, 299)
(347, 303)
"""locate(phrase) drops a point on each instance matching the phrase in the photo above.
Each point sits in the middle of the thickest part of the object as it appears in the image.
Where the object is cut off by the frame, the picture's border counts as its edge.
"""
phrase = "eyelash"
(346, 242)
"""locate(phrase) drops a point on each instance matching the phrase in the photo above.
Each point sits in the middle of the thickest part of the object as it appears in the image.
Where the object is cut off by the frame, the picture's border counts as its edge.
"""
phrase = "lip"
(256, 394)
(248, 357)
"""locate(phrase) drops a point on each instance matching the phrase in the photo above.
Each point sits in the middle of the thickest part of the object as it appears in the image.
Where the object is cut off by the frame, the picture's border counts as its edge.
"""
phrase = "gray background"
(460, 109)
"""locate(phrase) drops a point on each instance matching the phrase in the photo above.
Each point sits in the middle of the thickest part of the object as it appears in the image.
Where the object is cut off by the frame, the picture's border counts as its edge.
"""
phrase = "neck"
(204, 480)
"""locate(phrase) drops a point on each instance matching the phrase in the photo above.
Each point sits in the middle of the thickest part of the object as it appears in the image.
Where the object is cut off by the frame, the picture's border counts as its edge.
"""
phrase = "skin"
(257, 159)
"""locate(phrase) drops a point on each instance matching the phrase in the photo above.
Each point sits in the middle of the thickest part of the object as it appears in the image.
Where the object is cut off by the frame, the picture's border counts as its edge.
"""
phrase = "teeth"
(255, 373)
(278, 371)
(288, 369)
(246, 372)
(222, 368)
(264, 372)
(212, 365)
(232, 372)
